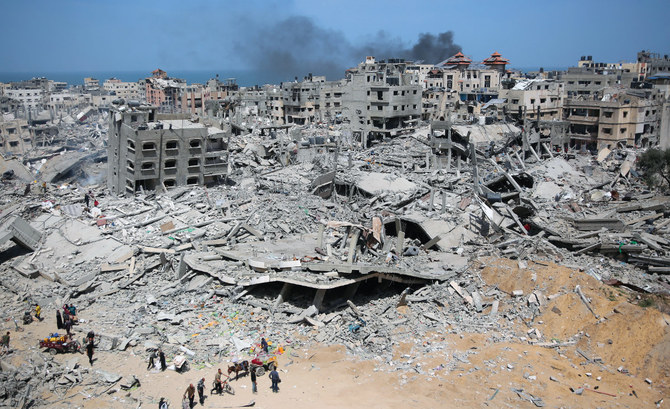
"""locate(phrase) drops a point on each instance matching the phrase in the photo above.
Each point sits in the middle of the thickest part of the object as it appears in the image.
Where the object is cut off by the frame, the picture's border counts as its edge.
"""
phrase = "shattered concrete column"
(432, 199)
(475, 171)
(401, 237)
(182, 268)
(318, 298)
(444, 201)
(427, 160)
(344, 239)
(449, 149)
(283, 295)
(458, 166)
(321, 229)
(352, 246)
(523, 165)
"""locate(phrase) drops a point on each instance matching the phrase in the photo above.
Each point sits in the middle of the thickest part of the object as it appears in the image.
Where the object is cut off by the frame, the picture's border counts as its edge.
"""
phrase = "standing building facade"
(148, 150)
(382, 98)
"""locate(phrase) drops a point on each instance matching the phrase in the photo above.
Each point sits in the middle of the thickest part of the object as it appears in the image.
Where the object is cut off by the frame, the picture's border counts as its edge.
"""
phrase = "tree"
(656, 166)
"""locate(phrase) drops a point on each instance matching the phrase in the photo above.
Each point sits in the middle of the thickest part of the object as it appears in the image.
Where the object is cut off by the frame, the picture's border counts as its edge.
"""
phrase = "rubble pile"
(367, 248)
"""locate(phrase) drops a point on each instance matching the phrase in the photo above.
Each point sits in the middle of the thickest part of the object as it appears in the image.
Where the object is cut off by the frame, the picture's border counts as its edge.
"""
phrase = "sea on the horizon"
(245, 78)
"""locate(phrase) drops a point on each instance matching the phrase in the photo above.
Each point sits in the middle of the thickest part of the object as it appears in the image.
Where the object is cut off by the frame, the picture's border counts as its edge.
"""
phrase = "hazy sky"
(105, 35)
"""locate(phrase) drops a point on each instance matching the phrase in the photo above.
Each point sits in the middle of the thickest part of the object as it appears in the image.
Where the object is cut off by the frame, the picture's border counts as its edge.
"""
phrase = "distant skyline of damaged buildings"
(590, 106)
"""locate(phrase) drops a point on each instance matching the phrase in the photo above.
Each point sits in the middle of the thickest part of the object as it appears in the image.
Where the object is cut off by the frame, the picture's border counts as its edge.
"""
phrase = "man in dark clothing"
(254, 388)
(90, 337)
(201, 391)
(68, 325)
(89, 352)
(190, 392)
(264, 345)
(161, 356)
(162, 404)
(86, 199)
(274, 377)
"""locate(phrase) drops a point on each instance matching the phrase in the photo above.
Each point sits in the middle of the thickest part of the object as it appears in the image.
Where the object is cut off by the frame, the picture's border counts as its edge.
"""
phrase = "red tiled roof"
(495, 59)
(458, 59)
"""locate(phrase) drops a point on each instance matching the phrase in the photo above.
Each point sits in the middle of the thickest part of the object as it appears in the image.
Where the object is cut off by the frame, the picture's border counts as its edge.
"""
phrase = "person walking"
(254, 387)
(161, 356)
(89, 352)
(274, 377)
(66, 313)
(201, 391)
(152, 360)
(87, 199)
(4, 343)
(190, 392)
(68, 325)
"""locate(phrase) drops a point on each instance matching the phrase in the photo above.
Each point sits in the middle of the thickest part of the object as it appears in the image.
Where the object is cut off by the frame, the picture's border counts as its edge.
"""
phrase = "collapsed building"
(319, 236)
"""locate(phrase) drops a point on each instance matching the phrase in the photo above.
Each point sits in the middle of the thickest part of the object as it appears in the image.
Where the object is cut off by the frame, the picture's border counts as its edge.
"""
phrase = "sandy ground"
(328, 377)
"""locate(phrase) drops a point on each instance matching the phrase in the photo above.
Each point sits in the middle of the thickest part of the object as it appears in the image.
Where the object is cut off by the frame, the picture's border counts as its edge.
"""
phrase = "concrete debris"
(331, 240)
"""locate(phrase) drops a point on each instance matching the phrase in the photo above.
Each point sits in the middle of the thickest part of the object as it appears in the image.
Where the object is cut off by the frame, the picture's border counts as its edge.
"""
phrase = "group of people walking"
(188, 400)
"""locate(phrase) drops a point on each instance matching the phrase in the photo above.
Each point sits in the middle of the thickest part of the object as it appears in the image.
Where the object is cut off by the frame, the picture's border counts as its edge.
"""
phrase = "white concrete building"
(125, 90)
(30, 98)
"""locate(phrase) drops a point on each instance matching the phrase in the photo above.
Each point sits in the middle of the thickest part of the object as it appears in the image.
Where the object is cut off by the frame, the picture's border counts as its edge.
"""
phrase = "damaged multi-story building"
(15, 136)
(458, 88)
(162, 91)
(652, 63)
(377, 99)
(534, 99)
(130, 91)
(301, 100)
(616, 116)
(382, 99)
(149, 150)
(313, 99)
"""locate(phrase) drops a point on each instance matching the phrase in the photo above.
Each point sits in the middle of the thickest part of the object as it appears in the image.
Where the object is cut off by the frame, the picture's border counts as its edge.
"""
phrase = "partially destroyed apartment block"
(614, 117)
(15, 136)
(148, 150)
(382, 99)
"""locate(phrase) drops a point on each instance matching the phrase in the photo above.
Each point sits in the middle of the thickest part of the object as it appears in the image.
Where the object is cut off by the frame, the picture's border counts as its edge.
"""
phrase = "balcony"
(583, 119)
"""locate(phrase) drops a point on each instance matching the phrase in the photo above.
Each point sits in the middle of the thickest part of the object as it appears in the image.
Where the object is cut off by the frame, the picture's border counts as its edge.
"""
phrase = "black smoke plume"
(296, 46)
